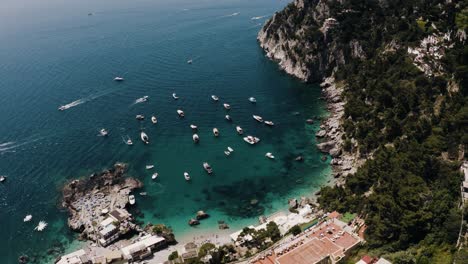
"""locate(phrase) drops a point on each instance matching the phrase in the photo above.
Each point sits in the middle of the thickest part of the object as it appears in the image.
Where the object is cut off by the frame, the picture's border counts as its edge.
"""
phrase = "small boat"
(227, 152)
(252, 100)
(143, 193)
(239, 130)
(154, 176)
(180, 113)
(269, 123)
(174, 95)
(227, 106)
(194, 127)
(258, 118)
(129, 142)
(144, 137)
(251, 140)
(195, 138)
(269, 155)
(207, 167)
(131, 199)
(27, 218)
(215, 98)
(186, 176)
(215, 132)
(140, 117)
(103, 132)
(230, 149)
(149, 167)
(41, 226)
(3, 178)
(142, 99)
(190, 61)
(62, 108)
(228, 118)
(154, 120)
(118, 79)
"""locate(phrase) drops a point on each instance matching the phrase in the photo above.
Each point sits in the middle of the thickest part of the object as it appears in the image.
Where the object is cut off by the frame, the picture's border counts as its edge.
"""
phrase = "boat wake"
(72, 104)
(86, 99)
(11, 146)
(231, 15)
(258, 17)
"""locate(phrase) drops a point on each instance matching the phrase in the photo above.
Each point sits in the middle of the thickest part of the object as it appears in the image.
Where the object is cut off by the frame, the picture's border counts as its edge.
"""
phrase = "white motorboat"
(129, 142)
(252, 100)
(144, 137)
(230, 149)
(228, 118)
(41, 226)
(194, 127)
(227, 152)
(270, 123)
(186, 176)
(142, 99)
(118, 79)
(143, 193)
(227, 106)
(190, 61)
(3, 178)
(154, 176)
(149, 167)
(27, 218)
(269, 155)
(251, 140)
(140, 117)
(195, 138)
(239, 130)
(62, 108)
(174, 95)
(103, 132)
(131, 199)
(154, 120)
(258, 118)
(207, 167)
(215, 98)
(215, 132)
(180, 113)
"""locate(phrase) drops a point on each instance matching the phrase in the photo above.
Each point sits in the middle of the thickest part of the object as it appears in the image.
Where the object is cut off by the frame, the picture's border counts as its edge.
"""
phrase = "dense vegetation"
(411, 126)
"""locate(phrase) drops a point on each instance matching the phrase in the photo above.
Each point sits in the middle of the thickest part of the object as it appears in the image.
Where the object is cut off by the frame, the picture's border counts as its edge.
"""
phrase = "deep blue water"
(52, 53)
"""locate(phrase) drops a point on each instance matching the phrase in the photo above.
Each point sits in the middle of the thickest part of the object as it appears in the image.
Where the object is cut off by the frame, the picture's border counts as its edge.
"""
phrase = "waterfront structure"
(77, 257)
(143, 248)
(327, 242)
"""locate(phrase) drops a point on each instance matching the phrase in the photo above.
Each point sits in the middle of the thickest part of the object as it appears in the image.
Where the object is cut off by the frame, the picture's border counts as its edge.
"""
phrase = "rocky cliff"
(305, 39)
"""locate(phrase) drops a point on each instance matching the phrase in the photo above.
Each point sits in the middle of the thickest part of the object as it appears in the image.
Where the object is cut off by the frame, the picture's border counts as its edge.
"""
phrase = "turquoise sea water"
(52, 53)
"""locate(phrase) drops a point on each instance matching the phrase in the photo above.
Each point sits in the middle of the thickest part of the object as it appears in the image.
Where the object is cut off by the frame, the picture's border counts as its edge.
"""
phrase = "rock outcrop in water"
(88, 199)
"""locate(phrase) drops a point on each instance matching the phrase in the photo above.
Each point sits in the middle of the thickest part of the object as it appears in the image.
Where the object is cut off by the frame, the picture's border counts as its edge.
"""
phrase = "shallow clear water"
(55, 54)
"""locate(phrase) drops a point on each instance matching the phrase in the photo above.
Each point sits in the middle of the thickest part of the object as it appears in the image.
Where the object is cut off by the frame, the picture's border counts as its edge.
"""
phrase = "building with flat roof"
(143, 248)
(77, 257)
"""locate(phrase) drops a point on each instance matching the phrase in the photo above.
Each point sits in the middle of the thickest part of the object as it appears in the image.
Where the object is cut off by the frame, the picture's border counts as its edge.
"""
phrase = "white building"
(143, 248)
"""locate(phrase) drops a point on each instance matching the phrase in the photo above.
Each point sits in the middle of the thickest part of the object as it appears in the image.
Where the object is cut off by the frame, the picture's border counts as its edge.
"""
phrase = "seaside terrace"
(328, 242)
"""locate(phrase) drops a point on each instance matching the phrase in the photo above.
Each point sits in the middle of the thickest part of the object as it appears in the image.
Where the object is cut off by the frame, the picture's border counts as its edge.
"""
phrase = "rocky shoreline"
(276, 41)
(89, 199)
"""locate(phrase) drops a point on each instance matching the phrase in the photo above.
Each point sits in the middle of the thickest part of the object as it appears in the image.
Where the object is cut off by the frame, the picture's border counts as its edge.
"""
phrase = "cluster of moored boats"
(252, 140)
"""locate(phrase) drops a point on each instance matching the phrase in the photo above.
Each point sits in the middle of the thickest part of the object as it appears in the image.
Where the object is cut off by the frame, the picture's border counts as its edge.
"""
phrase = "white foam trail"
(258, 17)
(9, 146)
(231, 15)
(6, 144)
(72, 104)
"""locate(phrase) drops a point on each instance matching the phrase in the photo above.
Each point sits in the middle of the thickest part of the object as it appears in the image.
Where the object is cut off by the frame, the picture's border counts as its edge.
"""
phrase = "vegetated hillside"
(404, 67)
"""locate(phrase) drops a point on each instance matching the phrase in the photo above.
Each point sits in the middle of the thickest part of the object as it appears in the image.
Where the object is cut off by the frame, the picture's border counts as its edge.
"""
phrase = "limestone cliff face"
(303, 38)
